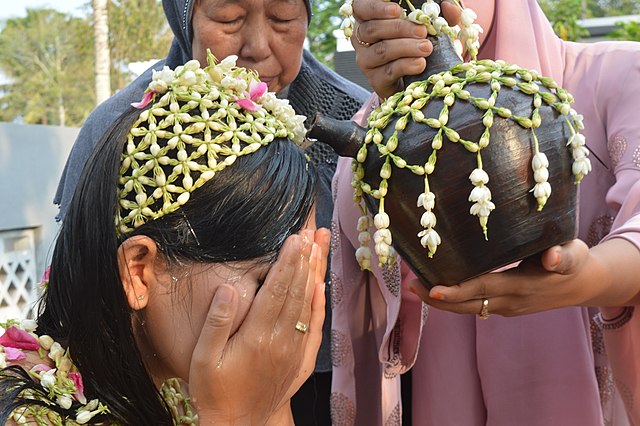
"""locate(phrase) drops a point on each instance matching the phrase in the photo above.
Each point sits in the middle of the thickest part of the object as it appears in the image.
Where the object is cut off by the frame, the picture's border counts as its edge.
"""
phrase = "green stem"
(535, 141)
(411, 7)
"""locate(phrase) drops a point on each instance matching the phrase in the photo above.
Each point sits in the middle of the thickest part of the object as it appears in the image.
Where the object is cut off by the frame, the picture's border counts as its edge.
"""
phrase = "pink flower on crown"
(146, 100)
(256, 90)
(13, 337)
(39, 368)
(44, 281)
(76, 378)
(14, 354)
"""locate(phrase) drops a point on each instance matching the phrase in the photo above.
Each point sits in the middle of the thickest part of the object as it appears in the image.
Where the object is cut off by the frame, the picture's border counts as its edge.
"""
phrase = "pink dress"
(543, 369)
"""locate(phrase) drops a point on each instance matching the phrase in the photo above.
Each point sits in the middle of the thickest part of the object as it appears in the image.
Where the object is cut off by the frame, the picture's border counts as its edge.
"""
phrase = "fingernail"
(436, 295)
(224, 294)
(391, 10)
(556, 259)
(425, 46)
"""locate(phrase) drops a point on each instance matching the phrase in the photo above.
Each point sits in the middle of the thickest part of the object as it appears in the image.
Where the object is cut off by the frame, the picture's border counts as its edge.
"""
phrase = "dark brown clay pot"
(516, 229)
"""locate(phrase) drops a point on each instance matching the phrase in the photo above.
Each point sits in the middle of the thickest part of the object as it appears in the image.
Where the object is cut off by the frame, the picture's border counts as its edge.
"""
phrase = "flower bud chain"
(62, 385)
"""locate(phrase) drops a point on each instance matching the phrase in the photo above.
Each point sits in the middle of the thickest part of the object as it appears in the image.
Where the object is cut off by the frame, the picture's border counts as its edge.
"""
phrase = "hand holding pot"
(389, 47)
(563, 275)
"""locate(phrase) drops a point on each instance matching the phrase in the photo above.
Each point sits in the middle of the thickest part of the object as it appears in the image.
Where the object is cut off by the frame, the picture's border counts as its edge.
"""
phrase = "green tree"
(626, 31)
(564, 15)
(597, 8)
(324, 21)
(138, 31)
(47, 57)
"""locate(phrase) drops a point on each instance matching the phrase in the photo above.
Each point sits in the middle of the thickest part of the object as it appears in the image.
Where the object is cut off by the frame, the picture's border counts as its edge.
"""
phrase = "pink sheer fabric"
(543, 369)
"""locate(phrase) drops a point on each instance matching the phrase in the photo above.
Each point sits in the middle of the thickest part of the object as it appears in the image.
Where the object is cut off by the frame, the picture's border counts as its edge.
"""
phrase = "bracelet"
(616, 322)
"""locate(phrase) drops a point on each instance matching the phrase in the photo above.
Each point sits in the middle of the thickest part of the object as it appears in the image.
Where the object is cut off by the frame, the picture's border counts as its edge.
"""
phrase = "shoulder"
(606, 64)
(604, 77)
(94, 127)
(105, 113)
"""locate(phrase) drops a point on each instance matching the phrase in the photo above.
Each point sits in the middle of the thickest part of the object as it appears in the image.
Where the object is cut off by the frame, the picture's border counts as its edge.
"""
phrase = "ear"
(138, 264)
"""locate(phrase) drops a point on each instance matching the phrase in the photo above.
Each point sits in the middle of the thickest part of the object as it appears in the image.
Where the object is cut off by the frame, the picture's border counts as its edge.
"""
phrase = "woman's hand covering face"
(250, 375)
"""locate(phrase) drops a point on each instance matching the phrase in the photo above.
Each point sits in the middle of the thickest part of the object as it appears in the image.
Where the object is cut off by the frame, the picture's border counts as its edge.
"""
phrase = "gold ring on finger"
(360, 42)
(484, 311)
(301, 327)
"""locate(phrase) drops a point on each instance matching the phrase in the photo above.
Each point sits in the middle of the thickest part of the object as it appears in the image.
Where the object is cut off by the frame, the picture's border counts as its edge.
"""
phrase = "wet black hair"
(244, 213)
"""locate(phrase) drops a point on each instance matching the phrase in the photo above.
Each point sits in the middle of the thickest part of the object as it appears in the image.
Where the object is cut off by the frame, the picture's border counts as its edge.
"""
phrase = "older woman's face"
(266, 35)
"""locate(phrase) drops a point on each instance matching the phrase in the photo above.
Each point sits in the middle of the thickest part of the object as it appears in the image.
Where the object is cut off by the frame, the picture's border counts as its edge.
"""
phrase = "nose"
(257, 36)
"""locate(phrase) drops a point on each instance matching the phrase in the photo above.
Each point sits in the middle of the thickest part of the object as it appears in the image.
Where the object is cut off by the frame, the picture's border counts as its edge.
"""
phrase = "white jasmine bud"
(56, 351)
(381, 220)
(363, 256)
(479, 177)
(183, 198)
(382, 236)
(363, 223)
(428, 219)
(541, 175)
(539, 161)
(364, 238)
(64, 401)
(45, 342)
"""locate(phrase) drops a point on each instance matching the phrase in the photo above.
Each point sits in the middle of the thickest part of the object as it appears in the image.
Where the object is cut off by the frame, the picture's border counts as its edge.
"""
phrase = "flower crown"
(202, 121)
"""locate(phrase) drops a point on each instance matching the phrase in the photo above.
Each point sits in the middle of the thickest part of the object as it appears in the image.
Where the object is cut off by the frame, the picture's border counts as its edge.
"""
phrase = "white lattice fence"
(18, 290)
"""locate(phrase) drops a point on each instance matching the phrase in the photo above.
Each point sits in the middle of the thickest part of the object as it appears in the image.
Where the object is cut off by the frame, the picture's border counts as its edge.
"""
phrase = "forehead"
(214, 4)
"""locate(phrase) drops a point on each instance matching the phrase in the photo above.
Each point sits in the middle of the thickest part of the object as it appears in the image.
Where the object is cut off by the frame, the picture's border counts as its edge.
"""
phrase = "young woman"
(186, 286)
(268, 37)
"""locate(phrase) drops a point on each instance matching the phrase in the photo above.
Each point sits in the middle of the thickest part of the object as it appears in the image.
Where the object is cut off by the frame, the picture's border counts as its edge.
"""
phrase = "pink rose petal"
(257, 89)
(46, 275)
(76, 378)
(39, 368)
(14, 354)
(248, 104)
(13, 337)
(146, 100)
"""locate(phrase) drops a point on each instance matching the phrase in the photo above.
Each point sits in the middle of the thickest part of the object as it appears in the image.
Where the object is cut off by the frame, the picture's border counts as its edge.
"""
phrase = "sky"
(17, 8)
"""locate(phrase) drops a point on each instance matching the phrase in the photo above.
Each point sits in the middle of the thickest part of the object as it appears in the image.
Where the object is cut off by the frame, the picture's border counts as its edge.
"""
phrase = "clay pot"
(516, 229)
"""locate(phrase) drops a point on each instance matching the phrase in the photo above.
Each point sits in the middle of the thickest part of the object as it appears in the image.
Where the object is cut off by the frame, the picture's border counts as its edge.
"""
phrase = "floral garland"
(202, 121)
(449, 87)
(63, 384)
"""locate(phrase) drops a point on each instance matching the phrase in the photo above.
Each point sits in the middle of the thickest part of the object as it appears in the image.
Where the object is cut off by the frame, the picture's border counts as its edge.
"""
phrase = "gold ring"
(360, 42)
(301, 327)
(484, 312)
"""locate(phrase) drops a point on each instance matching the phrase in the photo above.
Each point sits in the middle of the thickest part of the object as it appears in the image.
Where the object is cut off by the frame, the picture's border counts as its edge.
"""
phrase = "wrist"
(216, 419)
(282, 417)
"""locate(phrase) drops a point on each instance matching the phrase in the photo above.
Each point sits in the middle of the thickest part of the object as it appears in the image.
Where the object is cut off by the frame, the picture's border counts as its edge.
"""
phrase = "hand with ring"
(274, 350)
(388, 47)
(567, 275)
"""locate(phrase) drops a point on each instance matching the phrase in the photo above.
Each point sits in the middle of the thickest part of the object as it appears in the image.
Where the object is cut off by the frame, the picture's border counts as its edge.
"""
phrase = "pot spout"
(344, 136)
